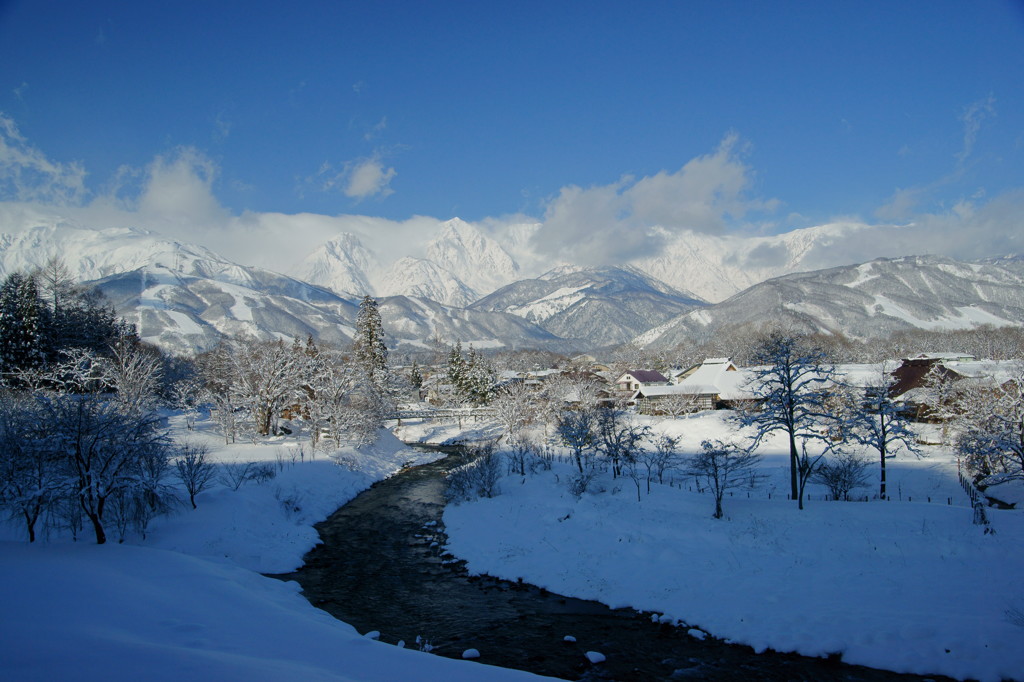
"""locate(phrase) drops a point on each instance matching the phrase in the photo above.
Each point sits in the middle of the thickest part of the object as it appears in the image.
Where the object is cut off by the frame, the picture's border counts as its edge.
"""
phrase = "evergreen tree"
(456, 371)
(21, 324)
(415, 376)
(371, 353)
(480, 379)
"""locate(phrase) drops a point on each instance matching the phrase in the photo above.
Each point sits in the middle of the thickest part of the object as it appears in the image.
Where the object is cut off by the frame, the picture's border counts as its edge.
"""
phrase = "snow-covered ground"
(189, 603)
(909, 586)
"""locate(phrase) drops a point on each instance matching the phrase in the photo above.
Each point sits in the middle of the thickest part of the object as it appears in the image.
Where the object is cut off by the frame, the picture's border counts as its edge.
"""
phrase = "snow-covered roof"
(1000, 371)
(717, 376)
(942, 356)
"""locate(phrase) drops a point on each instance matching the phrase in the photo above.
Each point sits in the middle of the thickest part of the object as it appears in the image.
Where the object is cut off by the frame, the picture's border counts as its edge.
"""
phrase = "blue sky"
(794, 113)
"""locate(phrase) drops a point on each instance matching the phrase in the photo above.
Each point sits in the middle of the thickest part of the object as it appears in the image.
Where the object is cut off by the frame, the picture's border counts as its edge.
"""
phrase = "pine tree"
(455, 373)
(480, 379)
(371, 353)
(21, 324)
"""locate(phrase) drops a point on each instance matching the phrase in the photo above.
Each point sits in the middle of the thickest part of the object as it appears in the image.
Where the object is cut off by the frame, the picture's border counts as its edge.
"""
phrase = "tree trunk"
(793, 464)
(881, 490)
(97, 526)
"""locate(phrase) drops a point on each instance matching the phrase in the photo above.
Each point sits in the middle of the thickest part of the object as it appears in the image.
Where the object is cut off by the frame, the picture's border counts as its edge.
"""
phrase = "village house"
(713, 384)
(640, 378)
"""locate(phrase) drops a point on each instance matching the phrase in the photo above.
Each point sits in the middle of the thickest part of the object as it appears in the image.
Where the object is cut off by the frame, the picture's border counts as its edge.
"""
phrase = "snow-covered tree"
(135, 374)
(791, 385)
(480, 378)
(516, 408)
(368, 346)
(21, 325)
(105, 452)
(266, 377)
(722, 466)
(880, 423)
(617, 437)
(992, 442)
(470, 376)
(32, 478)
(576, 429)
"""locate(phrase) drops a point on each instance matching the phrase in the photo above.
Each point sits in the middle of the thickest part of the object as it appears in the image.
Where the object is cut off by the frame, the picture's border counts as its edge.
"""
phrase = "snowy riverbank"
(909, 586)
(189, 603)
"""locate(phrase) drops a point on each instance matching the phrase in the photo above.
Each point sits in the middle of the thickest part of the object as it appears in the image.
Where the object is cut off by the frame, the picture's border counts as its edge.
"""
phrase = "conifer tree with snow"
(480, 379)
(456, 371)
(21, 325)
(369, 348)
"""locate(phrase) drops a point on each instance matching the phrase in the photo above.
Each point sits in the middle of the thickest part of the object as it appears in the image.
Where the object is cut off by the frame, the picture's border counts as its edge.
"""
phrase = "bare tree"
(792, 387)
(31, 476)
(617, 437)
(841, 474)
(103, 448)
(576, 429)
(678, 404)
(194, 470)
(134, 374)
(722, 466)
(880, 423)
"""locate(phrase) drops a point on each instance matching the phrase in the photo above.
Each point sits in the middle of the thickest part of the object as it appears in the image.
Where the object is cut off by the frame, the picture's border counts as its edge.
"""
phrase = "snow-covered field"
(189, 603)
(905, 585)
(909, 585)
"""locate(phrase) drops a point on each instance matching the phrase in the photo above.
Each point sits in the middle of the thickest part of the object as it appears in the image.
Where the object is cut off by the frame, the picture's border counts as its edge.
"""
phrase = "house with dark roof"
(636, 379)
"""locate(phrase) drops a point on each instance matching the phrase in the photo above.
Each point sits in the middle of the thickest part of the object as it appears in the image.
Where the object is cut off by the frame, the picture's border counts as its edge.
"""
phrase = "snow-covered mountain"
(342, 265)
(185, 298)
(716, 267)
(478, 260)
(871, 299)
(181, 297)
(417, 321)
(461, 264)
(593, 306)
(422, 278)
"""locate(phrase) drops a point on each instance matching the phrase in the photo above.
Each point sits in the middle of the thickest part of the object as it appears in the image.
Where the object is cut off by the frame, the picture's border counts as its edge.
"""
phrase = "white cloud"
(180, 186)
(614, 222)
(26, 174)
(972, 119)
(359, 179)
(368, 177)
(906, 202)
(377, 128)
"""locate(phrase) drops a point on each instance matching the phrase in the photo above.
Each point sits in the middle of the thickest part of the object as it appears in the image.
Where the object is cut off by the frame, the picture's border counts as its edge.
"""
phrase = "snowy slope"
(342, 265)
(866, 300)
(416, 321)
(716, 267)
(187, 313)
(188, 602)
(475, 258)
(595, 306)
(410, 276)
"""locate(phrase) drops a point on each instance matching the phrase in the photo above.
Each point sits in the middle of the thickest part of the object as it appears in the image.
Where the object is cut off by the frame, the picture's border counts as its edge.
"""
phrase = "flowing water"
(382, 567)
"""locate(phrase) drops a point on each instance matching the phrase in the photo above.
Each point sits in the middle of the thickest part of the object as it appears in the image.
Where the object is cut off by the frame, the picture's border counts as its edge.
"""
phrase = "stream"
(382, 567)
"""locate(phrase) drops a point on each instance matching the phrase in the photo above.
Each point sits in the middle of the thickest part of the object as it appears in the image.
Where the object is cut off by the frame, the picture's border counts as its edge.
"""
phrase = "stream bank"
(382, 567)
